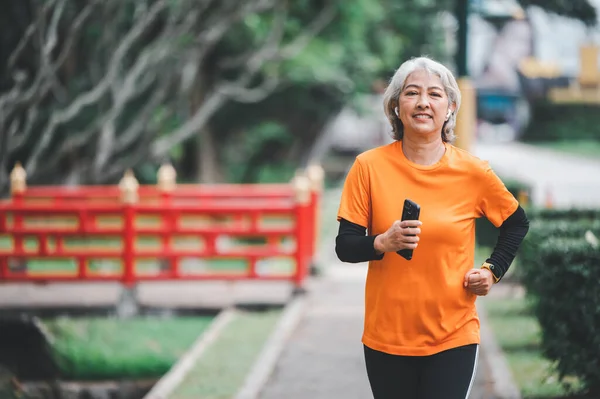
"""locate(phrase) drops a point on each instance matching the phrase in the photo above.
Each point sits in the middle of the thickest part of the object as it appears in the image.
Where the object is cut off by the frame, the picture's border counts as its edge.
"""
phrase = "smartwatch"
(495, 270)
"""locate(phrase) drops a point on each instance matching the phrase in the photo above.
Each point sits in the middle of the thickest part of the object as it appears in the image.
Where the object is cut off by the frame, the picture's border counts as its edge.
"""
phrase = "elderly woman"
(421, 330)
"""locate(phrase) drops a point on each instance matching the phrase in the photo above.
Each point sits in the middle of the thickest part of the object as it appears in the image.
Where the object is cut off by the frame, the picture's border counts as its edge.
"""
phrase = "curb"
(171, 380)
(267, 360)
(504, 383)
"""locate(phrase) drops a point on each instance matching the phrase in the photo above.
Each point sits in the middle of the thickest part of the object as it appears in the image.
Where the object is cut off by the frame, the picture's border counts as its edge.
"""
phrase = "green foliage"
(540, 230)
(365, 42)
(559, 269)
(259, 155)
(566, 215)
(486, 233)
(553, 122)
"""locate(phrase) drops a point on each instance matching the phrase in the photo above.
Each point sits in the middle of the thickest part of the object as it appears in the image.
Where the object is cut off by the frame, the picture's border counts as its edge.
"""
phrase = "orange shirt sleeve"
(355, 200)
(496, 203)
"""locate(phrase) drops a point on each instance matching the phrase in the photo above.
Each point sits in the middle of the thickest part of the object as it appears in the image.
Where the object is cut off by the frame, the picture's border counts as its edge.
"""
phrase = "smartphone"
(411, 211)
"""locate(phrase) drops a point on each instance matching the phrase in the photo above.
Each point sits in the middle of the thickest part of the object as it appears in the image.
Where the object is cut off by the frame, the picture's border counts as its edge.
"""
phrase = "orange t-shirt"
(420, 307)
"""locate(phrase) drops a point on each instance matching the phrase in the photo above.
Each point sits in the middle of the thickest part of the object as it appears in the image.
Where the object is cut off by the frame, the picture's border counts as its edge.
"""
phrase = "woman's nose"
(422, 102)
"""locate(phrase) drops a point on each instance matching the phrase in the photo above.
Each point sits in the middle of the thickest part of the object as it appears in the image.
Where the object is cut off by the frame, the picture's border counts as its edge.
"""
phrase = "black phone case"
(410, 211)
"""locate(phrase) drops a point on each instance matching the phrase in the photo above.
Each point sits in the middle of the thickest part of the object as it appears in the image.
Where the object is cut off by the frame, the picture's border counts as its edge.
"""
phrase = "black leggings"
(448, 374)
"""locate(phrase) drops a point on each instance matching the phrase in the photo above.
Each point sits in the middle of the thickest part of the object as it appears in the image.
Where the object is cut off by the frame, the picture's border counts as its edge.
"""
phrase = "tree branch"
(131, 86)
(251, 95)
(239, 87)
(31, 99)
(62, 116)
(210, 36)
(318, 24)
(162, 145)
(275, 37)
(33, 27)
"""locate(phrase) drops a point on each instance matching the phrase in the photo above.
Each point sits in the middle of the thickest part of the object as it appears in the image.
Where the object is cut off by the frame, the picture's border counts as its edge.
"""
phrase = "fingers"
(407, 227)
(476, 282)
(480, 291)
(403, 235)
(468, 276)
(409, 223)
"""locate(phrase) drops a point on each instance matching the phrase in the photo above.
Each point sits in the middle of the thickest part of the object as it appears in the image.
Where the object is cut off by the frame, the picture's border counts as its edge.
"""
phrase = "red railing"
(139, 232)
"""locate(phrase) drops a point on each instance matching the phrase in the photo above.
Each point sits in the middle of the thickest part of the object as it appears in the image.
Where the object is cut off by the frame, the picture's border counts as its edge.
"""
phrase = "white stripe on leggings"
(474, 372)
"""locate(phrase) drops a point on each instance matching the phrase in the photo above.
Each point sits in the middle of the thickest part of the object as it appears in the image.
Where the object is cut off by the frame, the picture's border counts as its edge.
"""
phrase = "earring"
(448, 115)
(396, 111)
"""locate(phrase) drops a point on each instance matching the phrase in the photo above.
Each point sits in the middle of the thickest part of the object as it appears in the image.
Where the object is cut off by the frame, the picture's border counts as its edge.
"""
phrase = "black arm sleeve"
(353, 246)
(512, 233)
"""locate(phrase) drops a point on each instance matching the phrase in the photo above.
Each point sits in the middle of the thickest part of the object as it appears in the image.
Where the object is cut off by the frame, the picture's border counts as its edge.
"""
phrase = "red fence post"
(129, 196)
(18, 186)
(3, 259)
(167, 183)
(303, 230)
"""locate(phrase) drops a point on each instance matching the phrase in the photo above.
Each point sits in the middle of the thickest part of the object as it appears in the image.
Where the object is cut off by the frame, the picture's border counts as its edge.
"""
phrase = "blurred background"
(248, 91)
(253, 91)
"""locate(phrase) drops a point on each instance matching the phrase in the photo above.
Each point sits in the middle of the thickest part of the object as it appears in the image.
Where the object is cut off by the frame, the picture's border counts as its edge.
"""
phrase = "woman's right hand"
(400, 235)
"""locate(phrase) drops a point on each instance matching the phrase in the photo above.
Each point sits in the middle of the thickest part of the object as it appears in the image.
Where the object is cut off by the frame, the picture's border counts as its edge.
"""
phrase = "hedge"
(560, 270)
(553, 122)
(567, 306)
(573, 214)
(539, 232)
(486, 233)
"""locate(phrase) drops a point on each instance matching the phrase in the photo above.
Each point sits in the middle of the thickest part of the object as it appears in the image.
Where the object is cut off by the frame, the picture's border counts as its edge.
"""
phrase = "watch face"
(492, 269)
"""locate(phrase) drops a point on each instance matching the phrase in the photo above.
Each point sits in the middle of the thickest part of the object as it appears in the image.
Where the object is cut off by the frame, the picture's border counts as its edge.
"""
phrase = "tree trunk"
(209, 169)
(3, 162)
(209, 166)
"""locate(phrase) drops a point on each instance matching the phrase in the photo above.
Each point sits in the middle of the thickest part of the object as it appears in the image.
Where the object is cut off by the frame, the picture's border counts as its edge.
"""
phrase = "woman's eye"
(436, 94)
(411, 93)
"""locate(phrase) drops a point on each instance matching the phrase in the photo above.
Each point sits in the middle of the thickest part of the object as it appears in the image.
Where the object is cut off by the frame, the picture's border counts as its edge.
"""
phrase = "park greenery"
(559, 264)
(90, 89)
(223, 89)
(549, 335)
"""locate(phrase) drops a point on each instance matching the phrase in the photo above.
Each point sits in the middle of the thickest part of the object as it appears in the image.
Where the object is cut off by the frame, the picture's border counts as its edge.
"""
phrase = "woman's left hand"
(479, 281)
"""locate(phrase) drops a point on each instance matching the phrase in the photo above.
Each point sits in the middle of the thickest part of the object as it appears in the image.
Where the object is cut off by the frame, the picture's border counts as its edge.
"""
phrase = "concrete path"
(567, 180)
(323, 358)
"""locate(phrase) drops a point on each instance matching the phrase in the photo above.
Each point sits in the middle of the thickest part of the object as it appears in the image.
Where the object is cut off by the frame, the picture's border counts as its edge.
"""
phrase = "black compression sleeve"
(512, 233)
(352, 245)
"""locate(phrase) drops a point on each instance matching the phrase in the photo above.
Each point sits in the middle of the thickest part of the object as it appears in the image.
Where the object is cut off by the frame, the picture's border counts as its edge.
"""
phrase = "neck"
(423, 151)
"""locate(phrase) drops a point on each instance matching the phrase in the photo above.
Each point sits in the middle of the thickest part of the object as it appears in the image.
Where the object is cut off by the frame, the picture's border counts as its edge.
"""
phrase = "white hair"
(392, 93)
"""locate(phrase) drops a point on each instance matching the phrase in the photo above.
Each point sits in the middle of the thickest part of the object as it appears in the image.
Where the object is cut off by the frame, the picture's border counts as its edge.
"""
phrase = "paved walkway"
(323, 359)
(569, 180)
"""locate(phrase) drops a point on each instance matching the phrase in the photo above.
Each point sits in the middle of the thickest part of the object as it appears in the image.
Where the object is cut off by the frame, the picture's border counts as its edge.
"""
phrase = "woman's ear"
(451, 110)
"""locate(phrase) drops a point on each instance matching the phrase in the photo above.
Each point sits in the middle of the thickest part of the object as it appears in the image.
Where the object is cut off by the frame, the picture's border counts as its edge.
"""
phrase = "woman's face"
(423, 104)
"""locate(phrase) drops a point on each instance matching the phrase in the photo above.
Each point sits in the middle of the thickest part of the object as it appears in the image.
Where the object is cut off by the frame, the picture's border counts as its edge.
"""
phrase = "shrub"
(553, 122)
(560, 271)
(563, 281)
(541, 230)
(573, 214)
(486, 233)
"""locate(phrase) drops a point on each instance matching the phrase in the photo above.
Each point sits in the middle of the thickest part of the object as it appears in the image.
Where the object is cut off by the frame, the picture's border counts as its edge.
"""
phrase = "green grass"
(587, 148)
(518, 334)
(221, 371)
(100, 348)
